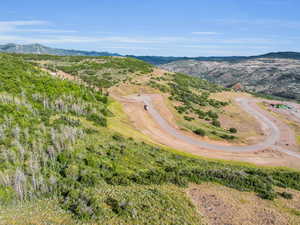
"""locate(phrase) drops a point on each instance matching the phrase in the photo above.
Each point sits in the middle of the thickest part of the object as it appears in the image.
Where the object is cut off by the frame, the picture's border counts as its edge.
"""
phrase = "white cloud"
(257, 22)
(205, 33)
(17, 27)
(130, 48)
(48, 31)
(12, 26)
(56, 39)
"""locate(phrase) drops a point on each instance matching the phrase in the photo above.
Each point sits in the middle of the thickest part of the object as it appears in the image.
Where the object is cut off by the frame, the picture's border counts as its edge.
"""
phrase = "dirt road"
(269, 127)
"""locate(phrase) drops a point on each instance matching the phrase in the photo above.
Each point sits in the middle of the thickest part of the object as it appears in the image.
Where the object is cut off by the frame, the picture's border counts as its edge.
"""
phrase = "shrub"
(216, 123)
(233, 130)
(7, 194)
(267, 194)
(82, 203)
(200, 132)
(117, 207)
(227, 137)
(286, 195)
(118, 137)
(188, 118)
(97, 119)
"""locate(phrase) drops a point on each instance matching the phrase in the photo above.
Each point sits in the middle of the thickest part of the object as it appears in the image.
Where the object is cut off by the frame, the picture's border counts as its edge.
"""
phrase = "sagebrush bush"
(200, 132)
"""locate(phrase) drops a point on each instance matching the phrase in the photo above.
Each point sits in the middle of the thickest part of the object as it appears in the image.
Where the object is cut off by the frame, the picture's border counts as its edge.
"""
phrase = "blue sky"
(155, 27)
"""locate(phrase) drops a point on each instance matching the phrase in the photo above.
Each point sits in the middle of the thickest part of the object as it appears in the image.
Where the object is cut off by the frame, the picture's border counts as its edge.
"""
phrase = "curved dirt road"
(272, 131)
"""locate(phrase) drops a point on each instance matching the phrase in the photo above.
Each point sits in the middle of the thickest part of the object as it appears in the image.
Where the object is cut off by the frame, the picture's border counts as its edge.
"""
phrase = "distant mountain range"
(41, 49)
(156, 60)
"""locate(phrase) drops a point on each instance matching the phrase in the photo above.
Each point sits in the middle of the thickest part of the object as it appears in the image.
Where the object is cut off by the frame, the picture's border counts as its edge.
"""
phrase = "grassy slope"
(62, 149)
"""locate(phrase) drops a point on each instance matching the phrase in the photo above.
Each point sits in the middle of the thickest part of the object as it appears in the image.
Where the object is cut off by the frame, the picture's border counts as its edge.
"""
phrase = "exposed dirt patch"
(221, 205)
(248, 127)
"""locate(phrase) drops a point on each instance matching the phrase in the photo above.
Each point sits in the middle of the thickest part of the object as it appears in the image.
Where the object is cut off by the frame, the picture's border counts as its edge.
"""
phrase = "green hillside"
(197, 110)
(102, 72)
(57, 150)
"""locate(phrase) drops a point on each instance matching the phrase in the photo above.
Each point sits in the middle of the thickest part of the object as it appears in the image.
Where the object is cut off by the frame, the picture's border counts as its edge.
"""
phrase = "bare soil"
(221, 205)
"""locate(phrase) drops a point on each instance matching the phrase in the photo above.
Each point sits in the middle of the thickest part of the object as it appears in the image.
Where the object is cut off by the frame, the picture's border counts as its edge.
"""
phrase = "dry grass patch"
(40, 212)
(221, 205)
(249, 129)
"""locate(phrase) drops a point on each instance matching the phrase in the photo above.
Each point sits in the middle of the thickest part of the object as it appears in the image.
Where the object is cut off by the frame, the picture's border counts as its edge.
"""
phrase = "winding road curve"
(273, 132)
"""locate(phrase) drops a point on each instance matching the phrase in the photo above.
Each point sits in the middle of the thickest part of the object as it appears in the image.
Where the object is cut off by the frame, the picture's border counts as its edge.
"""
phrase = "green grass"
(133, 205)
(298, 140)
(145, 205)
(42, 212)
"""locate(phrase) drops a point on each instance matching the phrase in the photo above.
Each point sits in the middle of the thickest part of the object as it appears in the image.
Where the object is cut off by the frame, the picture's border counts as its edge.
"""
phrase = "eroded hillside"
(280, 77)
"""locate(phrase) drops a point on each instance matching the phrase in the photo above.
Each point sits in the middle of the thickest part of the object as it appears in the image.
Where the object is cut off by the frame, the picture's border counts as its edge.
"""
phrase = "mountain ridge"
(156, 60)
(159, 60)
(41, 49)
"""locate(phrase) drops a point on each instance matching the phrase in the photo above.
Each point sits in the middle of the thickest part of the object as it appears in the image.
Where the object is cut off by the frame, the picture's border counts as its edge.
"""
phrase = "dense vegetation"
(54, 143)
(39, 119)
